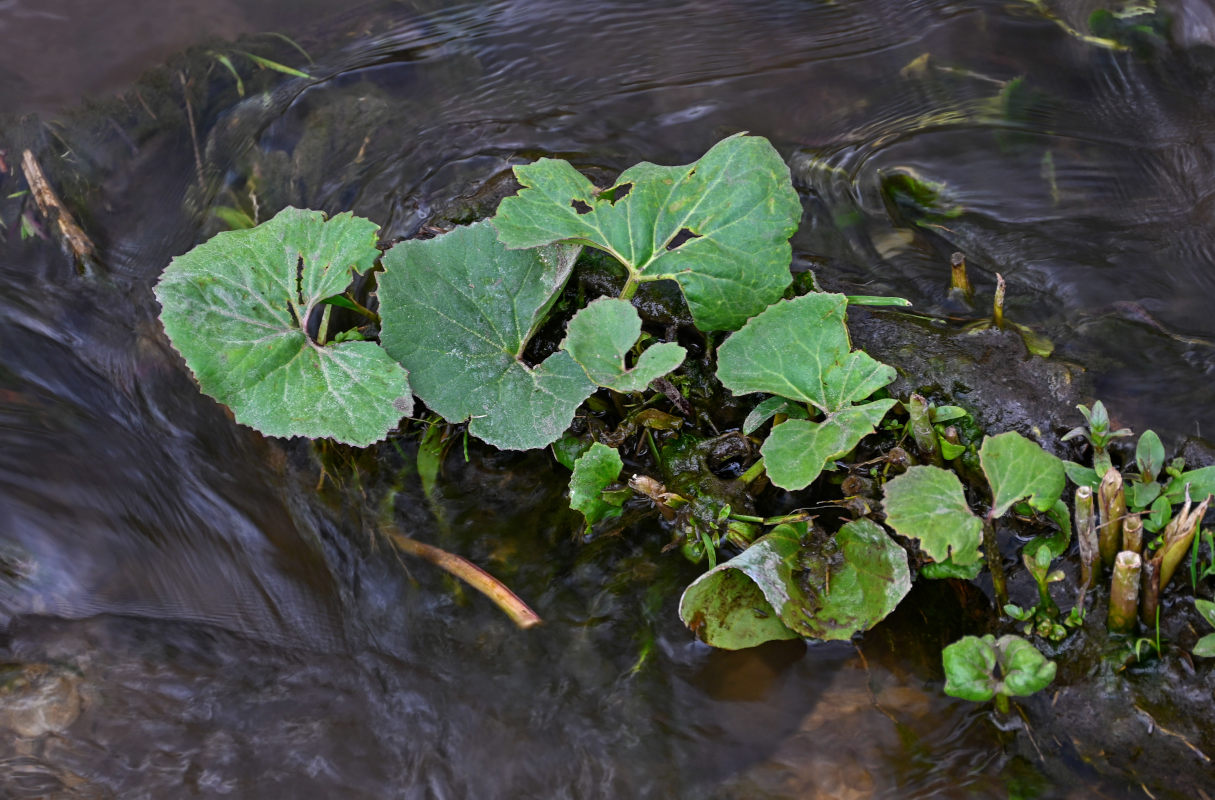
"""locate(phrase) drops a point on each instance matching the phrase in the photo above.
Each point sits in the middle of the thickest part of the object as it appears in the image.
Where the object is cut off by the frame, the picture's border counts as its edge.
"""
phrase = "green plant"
(488, 327)
(719, 228)
(241, 309)
(1196, 574)
(779, 588)
(928, 504)
(460, 316)
(1099, 436)
(982, 669)
(1206, 645)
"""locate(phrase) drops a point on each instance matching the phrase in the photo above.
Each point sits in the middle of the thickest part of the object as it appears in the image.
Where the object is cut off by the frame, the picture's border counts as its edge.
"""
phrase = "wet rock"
(38, 699)
(988, 372)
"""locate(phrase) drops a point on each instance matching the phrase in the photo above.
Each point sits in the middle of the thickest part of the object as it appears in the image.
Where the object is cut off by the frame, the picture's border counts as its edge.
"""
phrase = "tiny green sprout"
(950, 441)
(1154, 644)
(1038, 565)
(1206, 645)
(1021, 614)
(982, 669)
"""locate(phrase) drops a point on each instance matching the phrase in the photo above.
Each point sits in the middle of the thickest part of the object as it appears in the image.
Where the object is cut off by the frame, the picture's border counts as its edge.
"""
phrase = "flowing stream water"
(201, 620)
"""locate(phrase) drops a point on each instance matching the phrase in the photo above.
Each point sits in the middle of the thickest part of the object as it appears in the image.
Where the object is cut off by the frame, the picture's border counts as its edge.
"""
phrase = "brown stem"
(1086, 537)
(1124, 592)
(995, 564)
(1132, 533)
(997, 305)
(471, 574)
(1149, 591)
(921, 429)
(958, 280)
(1112, 504)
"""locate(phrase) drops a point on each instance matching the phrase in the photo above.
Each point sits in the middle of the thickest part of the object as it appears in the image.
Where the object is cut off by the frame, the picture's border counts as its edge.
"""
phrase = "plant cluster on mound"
(735, 392)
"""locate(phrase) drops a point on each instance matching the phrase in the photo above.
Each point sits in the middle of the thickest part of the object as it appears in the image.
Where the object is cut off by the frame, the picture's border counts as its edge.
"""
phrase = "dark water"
(233, 631)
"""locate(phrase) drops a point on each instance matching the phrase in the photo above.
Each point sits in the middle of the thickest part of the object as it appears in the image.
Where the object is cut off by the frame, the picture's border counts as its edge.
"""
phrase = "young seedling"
(920, 422)
(1149, 458)
(1038, 566)
(982, 669)
(1098, 434)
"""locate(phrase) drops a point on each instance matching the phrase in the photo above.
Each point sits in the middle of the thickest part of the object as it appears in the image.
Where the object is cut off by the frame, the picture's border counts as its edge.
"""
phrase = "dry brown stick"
(53, 210)
(198, 164)
(470, 573)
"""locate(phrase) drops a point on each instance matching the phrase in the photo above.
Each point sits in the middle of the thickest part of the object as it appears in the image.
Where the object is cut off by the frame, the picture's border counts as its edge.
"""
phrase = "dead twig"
(470, 573)
(53, 211)
(198, 164)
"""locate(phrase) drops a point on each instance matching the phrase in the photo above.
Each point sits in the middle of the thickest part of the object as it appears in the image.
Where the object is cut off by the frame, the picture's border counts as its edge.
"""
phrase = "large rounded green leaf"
(458, 311)
(736, 604)
(970, 667)
(1024, 669)
(927, 503)
(1018, 468)
(867, 577)
(234, 308)
(779, 587)
(800, 349)
(979, 669)
(720, 226)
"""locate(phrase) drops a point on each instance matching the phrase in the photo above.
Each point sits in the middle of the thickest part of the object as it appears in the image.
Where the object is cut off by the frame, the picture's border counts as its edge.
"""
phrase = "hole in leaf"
(618, 193)
(681, 237)
(580, 207)
(299, 281)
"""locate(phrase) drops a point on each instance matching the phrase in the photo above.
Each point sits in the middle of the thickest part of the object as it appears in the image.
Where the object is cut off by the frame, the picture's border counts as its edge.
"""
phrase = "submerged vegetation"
(740, 419)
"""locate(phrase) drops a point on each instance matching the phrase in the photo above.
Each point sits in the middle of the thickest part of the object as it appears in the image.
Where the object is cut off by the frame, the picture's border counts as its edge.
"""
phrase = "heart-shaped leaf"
(867, 577)
(594, 471)
(927, 503)
(979, 669)
(970, 666)
(1024, 669)
(1017, 468)
(235, 307)
(797, 451)
(779, 587)
(601, 335)
(799, 349)
(719, 227)
(458, 311)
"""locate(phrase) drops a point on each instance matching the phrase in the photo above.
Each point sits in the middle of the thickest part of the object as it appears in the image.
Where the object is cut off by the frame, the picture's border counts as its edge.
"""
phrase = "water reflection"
(236, 632)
